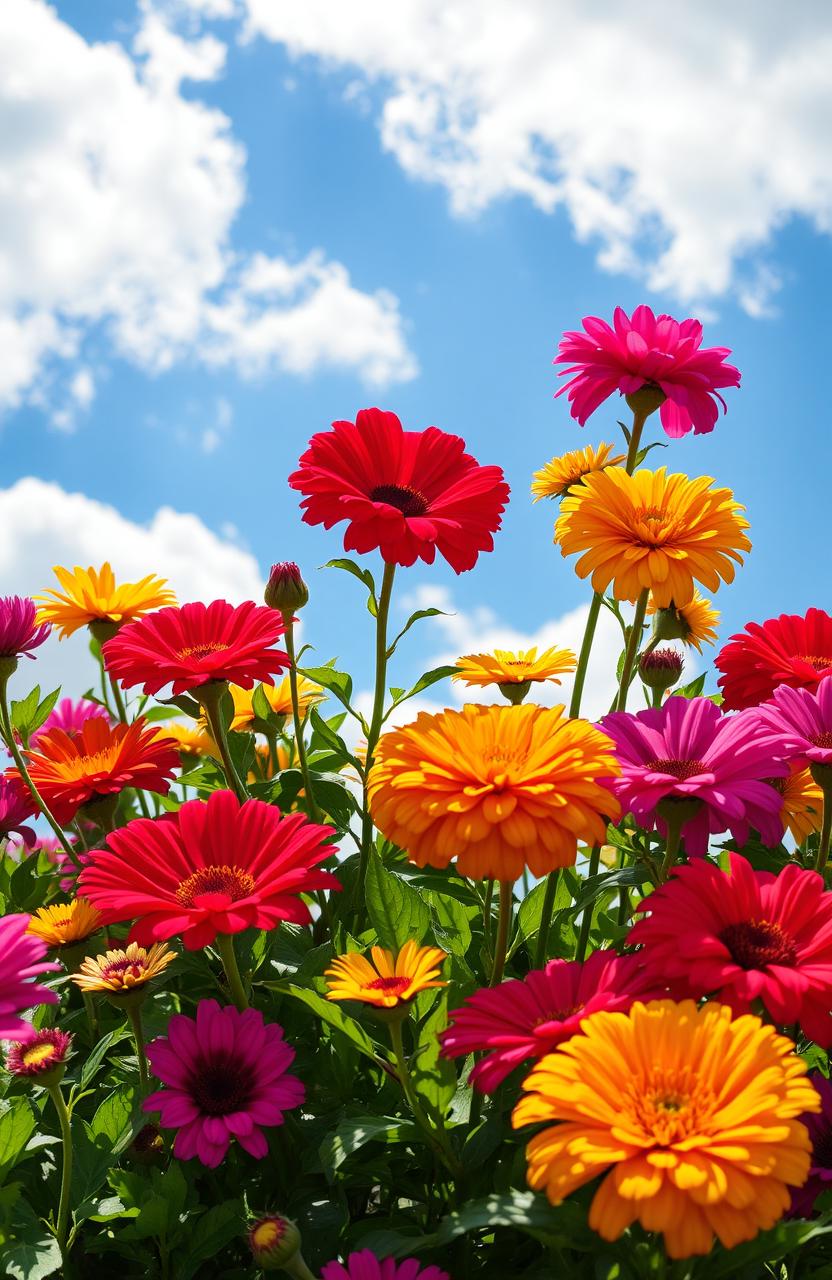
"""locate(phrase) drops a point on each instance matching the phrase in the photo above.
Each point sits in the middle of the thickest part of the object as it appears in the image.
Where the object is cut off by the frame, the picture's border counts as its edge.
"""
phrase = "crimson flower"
(742, 936)
(407, 493)
(194, 644)
(529, 1017)
(214, 866)
(227, 1077)
(791, 650)
(659, 353)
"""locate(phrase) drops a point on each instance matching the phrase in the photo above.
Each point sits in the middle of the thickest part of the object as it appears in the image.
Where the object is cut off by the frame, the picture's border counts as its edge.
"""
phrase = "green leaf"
(116, 1117)
(44, 709)
(211, 1233)
(92, 1161)
(748, 1259)
(99, 1053)
(17, 1124)
(415, 617)
(594, 886)
(339, 683)
(693, 689)
(561, 1226)
(424, 682)
(30, 1251)
(353, 1132)
(349, 566)
(260, 704)
(335, 1017)
(434, 1077)
(397, 911)
(450, 923)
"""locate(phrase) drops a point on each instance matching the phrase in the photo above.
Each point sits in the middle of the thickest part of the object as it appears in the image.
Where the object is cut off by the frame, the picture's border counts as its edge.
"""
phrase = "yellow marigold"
(190, 737)
(694, 1113)
(91, 595)
(504, 667)
(498, 788)
(122, 971)
(388, 981)
(561, 474)
(802, 811)
(65, 924)
(652, 531)
(694, 624)
(279, 698)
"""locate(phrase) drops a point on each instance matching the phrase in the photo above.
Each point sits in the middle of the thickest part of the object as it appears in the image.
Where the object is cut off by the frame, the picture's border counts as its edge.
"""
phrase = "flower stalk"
(503, 923)
(210, 696)
(225, 946)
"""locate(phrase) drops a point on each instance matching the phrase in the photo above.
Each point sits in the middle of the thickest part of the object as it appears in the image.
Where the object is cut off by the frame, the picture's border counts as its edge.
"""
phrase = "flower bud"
(274, 1241)
(42, 1059)
(286, 589)
(646, 400)
(661, 668)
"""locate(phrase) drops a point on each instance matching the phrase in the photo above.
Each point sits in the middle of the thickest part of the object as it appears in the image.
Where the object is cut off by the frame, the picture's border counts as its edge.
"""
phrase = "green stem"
(825, 832)
(210, 698)
(121, 709)
(631, 651)
(225, 946)
(639, 420)
(134, 1014)
(503, 922)
(17, 756)
(92, 1016)
(311, 807)
(674, 822)
(586, 919)
(66, 1171)
(546, 918)
(583, 656)
(297, 1268)
(382, 616)
(438, 1137)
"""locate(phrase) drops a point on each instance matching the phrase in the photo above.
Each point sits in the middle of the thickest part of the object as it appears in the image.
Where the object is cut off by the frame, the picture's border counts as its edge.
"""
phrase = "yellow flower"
(497, 788)
(694, 624)
(802, 811)
(503, 667)
(65, 924)
(652, 531)
(694, 1113)
(279, 698)
(91, 595)
(122, 971)
(264, 764)
(190, 737)
(561, 474)
(386, 982)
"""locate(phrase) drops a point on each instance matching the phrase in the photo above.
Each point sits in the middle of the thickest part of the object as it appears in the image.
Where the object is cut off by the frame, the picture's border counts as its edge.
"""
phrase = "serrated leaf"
(397, 911)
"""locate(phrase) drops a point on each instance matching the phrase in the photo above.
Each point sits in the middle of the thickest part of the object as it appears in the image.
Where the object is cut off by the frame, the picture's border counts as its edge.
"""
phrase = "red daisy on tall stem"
(197, 644)
(408, 494)
(791, 650)
(215, 867)
(742, 936)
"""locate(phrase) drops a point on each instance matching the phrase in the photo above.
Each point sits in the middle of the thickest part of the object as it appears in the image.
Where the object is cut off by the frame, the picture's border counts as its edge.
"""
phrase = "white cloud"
(117, 203)
(44, 526)
(679, 142)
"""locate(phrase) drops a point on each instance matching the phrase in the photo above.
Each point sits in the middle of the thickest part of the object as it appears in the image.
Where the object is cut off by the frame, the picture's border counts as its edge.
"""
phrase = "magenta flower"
(71, 717)
(687, 749)
(45, 1050)
(646, 351)
(799, 722)
(226, 1076)
(15, 807)
(364, 1265)
(21, 958)
(19, 633)
(527, 1018)
(820, 1132)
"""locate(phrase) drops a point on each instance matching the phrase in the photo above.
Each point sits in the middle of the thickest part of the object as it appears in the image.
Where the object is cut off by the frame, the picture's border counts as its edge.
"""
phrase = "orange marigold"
(390, 980)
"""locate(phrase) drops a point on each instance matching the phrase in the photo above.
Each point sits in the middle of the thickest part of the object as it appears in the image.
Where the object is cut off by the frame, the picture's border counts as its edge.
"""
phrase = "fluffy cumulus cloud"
(679, 141)
(118, 200)
(44, 526)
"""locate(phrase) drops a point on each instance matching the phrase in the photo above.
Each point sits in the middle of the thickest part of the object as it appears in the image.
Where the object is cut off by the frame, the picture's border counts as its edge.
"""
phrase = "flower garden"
(492, 992)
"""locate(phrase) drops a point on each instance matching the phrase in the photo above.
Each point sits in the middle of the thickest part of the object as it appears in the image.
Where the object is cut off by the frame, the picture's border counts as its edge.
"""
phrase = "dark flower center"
(754, 944)
(232, 881)
(409, 501)
(221, 1086)
(390, 986)
(681, 769)
(557, 1015)
(823, 740)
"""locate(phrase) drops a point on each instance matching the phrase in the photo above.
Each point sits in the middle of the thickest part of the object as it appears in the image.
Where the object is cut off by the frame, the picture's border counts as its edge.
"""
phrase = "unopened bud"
(286, 589)
(661, 668)
(274, 1241)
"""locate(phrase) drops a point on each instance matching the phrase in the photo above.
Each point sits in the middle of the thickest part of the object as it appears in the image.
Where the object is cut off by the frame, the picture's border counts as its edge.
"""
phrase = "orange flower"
(694, 624)
(386, 982)
(66, 923)
(652, 531)
(564, 473)
(503, 667)
(802, 810)
(191, 738)
(91, 595)
(498, 788)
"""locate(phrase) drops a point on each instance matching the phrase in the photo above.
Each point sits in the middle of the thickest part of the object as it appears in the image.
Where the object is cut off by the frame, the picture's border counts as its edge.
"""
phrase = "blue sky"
(481, 296)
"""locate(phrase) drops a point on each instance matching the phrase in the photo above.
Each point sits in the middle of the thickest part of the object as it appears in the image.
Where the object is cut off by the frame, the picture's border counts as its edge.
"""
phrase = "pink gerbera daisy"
(227, 1076)
(527, 1018)
(688, 750)
(799, 723)
(645, 351)
(197, 644)
(19, 632)
(71, 716)
(364, 1265)
(15, 807)
(21, 958)
(742, 936)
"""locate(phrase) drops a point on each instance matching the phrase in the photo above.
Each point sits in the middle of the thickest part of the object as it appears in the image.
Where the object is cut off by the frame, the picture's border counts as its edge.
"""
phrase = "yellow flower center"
(200, 651)
(267, 1234)
(38, 1053)
(124, 972)
(231, 882)
(814, 660)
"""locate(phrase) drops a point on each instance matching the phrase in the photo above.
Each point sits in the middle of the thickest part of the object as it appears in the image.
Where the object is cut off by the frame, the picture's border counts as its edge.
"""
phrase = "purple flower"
(21, 958)
(19, 632)
(15, 807)
(820, 1171)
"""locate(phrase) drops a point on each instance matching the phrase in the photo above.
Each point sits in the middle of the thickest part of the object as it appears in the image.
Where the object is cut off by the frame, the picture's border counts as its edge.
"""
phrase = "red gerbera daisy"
(791, 650)
(215, 866)
(528, 1018)
(101, 760)
(407, 493)
(196, 644)
(742, 936)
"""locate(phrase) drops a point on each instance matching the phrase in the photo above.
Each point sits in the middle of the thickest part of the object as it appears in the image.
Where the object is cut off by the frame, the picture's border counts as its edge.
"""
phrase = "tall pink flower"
(19, 632)
(227, 1077)
(798, 722)
(364, 1265)
(688, 750)
(529, 1017)
(661, 353)
(21, 958)
(15, 807)
(742, 936)
(71, 716)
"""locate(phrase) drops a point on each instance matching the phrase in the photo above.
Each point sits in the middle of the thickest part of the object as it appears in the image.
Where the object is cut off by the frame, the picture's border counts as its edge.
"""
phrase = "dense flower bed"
(495, 992)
